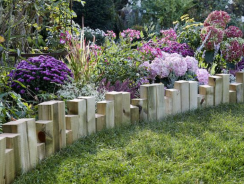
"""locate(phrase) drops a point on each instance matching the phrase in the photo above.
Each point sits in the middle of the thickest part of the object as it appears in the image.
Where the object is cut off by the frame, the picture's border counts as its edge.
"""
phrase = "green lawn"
(204, 146)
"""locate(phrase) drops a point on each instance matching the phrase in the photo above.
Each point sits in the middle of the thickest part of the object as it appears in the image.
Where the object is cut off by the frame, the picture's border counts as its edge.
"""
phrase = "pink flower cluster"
(149, 50)
(233, 32)
(131, 34)
(110, 34)
(217, 19)
(232, 49)
(168, 63)
(202, 76)
(65, 37)
(169, 34)
(211, 36)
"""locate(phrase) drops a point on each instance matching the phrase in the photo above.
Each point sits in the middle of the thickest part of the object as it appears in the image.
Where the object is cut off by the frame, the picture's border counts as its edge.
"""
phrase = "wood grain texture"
(226, 87)
(183, 86)
(106, 108)
(217, 83)
(238, 88)
(2, 159)
(142, 105)
(208, 93)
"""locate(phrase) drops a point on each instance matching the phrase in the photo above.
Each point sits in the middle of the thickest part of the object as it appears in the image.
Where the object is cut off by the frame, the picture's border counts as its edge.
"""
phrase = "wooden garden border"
(26, 142)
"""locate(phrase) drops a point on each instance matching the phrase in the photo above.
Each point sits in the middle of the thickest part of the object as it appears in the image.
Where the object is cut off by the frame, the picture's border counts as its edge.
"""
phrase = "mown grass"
(203, 146)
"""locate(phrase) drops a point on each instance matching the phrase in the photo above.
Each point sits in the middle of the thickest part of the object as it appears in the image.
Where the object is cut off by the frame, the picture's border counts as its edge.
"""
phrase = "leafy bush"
(42, 73)
(97, 35)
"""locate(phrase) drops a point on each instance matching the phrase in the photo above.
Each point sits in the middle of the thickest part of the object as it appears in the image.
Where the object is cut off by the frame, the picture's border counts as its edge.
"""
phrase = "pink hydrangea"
(232, 49)
(169, 34)
(233, 32)
(202, 76)
(212, 36)
(192, 64)
(110, 34)
(160, 67)
(217, 19)
(131, 34)
(147, 49)
(177, 64)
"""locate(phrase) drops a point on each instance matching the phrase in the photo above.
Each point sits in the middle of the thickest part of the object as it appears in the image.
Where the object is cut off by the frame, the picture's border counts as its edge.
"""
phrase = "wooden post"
(160, 104)
(201, 101)
(126, 108)
(118, 110)
(107, 108)
(100, 122)
(142, 105)
(69, 137)
(238, 87)
(168, 105)
(9, 166)
(28, 141)
(90, 114)
(173, 101)
(149, 92)
(62, 123)
(240, 78)
(193, 95)
(72, 123)
(50, 111)
(217, 83)
(45, 134)
(13, 142)
(41, 151)
(2, 159)
(208, 93)
(134, 114)
(183, 86)
(232, 96)
(78, 107)
(226, 86)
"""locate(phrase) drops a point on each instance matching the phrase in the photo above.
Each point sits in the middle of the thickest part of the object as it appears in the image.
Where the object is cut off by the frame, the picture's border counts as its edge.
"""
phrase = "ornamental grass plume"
(233, 32)
(218, 19)
(39, 73)
(211, 36)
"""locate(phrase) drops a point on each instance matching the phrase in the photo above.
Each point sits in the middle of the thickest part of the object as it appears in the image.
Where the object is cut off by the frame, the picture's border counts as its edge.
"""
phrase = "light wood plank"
(9, 166)
(69, 137)
(240, 79)
(90, 114)
(118, 110)
(78, 107)
(226, 87)
(193, 95)
(41, 151)
(201, 101)
(217, 83)
(107, 108)
(160, 104)
(173, 101)
(142, 105)
(2, 159)
(183, 86)
(238, 87)
(208, 93)
(126, 119)
(100, 122)
(72, 123)
(233, 96)
(134, 114)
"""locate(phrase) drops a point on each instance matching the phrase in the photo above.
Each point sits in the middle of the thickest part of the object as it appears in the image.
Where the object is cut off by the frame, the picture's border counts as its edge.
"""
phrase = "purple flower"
(22, 91)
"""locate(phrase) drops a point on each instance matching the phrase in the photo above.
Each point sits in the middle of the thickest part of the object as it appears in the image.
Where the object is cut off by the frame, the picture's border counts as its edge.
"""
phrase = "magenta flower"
(62, 41)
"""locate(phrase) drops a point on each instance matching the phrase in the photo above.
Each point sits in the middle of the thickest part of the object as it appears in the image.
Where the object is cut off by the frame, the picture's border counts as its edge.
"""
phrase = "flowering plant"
(218, 19)
(233, 31)
(232, 49)
(211, 36)
(169, 34)
(131, 34)
(110, 34)
(202, 76)
(179, 48)
(40, 73)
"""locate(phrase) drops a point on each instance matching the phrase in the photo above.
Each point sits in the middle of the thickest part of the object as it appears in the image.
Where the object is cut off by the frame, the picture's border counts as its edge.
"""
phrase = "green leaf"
(209, 56)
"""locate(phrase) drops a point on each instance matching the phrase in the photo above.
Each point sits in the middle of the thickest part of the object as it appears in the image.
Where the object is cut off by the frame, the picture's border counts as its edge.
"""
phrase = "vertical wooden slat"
(2, 159)
(217, 83)
(240, 79)
(106, 108)
(45, 134)
(193, 95)
(69, 137)
(126, 108)
(90, 114)
(183, 86)
(238, 87)
(232, 96)
(134, 114)
(226, 88)
(78, 107)
(100, 122)
(9, 166)
(201, 101)
(142, 105)
(149, 92)
(173, 101)
(41, 151)
(72, 123)
(160, 104)
(13, 142)
(208, 93)
(118, 110)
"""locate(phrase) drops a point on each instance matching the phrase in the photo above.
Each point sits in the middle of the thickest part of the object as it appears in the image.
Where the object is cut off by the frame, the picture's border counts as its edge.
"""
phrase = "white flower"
(230, 1)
